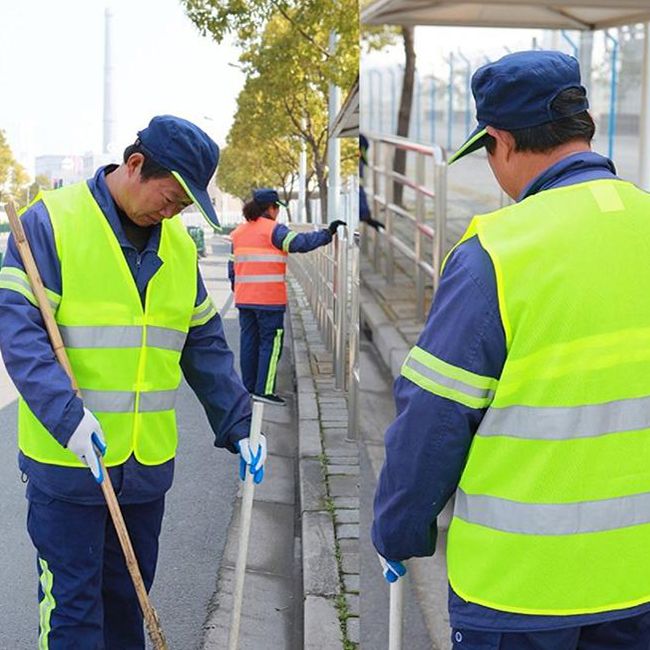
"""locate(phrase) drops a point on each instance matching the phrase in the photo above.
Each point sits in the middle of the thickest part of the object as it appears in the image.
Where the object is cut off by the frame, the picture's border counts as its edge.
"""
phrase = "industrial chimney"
(108, 74)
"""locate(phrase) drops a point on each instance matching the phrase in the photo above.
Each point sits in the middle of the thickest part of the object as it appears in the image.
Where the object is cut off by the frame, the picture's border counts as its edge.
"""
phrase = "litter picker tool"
(248, 492)
(150, 617)
(396, 614)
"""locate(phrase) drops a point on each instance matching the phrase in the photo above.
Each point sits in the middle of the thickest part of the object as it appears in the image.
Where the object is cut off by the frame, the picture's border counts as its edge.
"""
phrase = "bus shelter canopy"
(535, 14)
(346, 124)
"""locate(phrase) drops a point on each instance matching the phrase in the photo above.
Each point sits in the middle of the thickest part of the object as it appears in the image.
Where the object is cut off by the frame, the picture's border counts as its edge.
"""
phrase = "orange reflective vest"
(259, 266)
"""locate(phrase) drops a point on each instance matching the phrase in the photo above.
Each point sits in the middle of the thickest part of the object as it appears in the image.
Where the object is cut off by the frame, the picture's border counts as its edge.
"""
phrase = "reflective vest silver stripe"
(553, 519)
(567, 422)
(120, 401)
(460, 386)
(246, 279)
(121, 336)
(261, 258)
(165, 338)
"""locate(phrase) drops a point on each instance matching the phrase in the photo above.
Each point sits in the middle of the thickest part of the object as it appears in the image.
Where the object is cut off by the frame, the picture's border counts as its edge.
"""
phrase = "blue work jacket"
(428, 443)
(206, 361)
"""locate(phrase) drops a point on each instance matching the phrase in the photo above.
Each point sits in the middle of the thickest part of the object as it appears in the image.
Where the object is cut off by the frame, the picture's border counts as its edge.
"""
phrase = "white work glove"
(255, 461)
(87, 442)
(392, 569)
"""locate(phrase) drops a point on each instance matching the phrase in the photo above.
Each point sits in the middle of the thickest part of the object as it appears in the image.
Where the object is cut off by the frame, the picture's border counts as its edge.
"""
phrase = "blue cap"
(516, 92)
(266, 195)
(188, 153)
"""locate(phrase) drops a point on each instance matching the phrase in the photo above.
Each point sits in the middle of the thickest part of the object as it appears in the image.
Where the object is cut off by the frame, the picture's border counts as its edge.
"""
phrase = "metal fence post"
(440, 189)
(388, 193)
(341, 310)
(419, 220)
(353, 373)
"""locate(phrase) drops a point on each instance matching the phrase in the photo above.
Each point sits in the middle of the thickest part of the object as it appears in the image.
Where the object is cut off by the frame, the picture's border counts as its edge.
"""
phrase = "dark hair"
(553, 134)
(253, 211)
(150, 168)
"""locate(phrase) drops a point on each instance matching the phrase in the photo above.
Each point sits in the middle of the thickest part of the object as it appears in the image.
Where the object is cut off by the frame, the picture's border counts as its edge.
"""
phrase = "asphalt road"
(199, 509)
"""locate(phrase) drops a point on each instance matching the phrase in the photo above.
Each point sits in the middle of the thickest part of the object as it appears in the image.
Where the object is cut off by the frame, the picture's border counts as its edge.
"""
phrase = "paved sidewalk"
(329, 491)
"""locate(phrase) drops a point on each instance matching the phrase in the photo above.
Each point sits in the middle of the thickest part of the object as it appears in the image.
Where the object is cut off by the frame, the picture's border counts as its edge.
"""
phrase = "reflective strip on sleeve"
(287, 241)
(17, 280)
(261, 257)
(441, 378)
(567, 422)
(46, 606)
(258, 279)
(203, 313)
(553, 519)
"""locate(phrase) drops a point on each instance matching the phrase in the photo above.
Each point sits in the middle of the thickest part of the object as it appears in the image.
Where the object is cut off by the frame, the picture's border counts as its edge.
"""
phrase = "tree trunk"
(405, 104)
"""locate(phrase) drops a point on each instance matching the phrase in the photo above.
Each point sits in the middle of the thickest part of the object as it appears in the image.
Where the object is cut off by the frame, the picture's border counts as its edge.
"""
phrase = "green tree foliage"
(13, 176)
(284, 101)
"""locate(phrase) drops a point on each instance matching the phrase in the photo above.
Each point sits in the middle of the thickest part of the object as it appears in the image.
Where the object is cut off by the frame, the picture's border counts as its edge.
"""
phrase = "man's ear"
(134, 164)
(505, 141)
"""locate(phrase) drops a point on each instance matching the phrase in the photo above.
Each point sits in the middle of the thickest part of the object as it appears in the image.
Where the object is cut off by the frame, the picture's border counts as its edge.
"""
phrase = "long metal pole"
(396, 613)
(248, 493)
(644, 136)
(611, 130)
(302, 178)
(450, 108)
(333, 146)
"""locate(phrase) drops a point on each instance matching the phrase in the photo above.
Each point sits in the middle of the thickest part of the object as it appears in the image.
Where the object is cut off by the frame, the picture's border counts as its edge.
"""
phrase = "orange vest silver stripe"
(260, 267)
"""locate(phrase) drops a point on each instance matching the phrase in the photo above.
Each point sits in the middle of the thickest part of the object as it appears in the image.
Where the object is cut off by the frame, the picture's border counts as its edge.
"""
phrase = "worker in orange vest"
(257, 273)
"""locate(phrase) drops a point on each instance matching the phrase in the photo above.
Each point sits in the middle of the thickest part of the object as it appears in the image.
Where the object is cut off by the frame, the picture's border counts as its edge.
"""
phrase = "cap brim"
(475, 141)
(201, 200)
(284, 203)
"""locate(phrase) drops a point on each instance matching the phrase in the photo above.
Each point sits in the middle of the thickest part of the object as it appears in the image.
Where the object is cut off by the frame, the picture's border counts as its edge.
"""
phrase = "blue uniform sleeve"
(231, 267)
(428, 442)
(208, 366)
(25, 344)
(299, 242)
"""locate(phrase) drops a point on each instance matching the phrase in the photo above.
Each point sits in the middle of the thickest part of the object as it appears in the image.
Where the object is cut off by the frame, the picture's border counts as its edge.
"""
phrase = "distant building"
(68, 169)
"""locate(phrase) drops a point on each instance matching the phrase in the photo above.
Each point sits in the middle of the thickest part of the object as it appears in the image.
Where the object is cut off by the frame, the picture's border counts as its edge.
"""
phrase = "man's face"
(150, 201)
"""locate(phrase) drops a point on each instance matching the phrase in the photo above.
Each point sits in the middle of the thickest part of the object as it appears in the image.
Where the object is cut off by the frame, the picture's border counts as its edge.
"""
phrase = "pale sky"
(433, 45)
(52, 63)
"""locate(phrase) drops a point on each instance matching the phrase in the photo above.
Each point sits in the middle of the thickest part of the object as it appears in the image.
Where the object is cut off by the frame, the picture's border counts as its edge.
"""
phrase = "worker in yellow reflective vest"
(260, 247)
(528, 392)
(121, 274)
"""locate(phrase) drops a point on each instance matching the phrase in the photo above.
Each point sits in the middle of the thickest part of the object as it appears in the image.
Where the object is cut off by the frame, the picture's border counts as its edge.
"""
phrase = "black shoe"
(269, 398)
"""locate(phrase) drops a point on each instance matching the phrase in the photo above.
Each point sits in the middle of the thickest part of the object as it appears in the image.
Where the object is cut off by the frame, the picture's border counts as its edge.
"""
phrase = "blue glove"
(392, 569)
(255, 461)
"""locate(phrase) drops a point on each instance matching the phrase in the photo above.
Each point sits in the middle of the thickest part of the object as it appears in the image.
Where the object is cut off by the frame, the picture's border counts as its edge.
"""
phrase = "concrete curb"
(329, 542)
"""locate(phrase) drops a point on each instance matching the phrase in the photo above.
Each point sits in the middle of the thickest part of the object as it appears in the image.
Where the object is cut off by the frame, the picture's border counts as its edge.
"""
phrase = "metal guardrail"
(329, 277)
(426, 251)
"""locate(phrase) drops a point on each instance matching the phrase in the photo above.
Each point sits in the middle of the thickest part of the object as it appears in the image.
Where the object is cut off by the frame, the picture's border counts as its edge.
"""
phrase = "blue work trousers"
(631, 633)
(86, 597)
(262, 334)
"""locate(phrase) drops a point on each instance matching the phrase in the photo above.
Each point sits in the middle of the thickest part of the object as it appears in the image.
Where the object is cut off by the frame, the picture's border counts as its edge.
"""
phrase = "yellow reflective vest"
(125, 357)
(552, 513)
